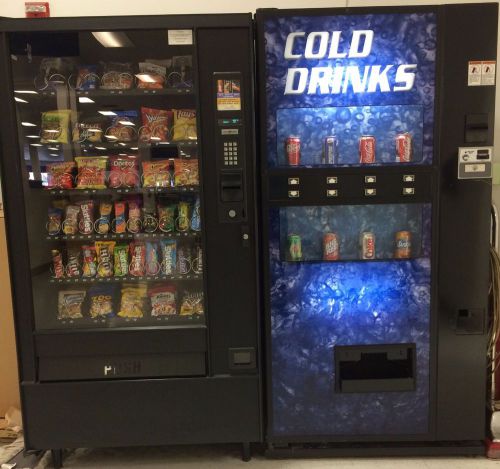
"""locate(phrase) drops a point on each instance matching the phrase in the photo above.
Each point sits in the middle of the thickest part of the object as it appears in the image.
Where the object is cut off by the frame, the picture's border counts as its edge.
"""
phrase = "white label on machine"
(475, 168)
(180, 37)
(488, 73)
(474, 73)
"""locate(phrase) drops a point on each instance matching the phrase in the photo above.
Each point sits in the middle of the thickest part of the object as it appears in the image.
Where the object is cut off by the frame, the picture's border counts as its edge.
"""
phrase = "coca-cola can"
(292, 148)
(367, 245)
(367, 149)
(331, 251)
(404, 148)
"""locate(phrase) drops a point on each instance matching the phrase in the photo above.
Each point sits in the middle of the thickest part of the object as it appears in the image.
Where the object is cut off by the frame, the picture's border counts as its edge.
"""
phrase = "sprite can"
(295, 247)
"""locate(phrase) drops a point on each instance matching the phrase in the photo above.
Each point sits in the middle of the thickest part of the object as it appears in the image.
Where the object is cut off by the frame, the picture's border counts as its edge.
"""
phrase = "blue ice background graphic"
(398, 39)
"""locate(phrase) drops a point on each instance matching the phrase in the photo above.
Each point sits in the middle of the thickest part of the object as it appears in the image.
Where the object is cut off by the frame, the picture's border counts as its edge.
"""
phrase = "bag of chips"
(186, 172)
(149, 220)
(87, 78)
(91, 172)
(134, 222)
(196, 216)
(70, 304)
(138, 259)
(121, 260)
(123, 127)
(57, 264)
(184, 125)
(70, 223)
(192, 303)
(86, 223)
(120, 222)
(182, 68)
(153, 266)
(101, 301)
(132, 301)
(90, 129)
(166, 218)
(89, 261)
(73, 265)
(163, 300)
(169, 255)
(156, 173)
(124, 171)
(151, 76)
(104, 250)
(117, 76)
(55, 125)
(156, 124)
(55, 221)
(103, 223)
(60, 175)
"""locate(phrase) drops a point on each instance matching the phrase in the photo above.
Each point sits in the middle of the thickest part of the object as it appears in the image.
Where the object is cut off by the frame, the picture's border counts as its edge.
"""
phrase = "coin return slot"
(370, 192)
(293, 181)
(408, 190)
(331, 193)
(370, 179)
(293, 194)
(331, 180)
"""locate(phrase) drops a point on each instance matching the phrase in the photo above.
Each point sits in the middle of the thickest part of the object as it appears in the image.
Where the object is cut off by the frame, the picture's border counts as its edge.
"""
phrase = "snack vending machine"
(376, 129)
(128, 173)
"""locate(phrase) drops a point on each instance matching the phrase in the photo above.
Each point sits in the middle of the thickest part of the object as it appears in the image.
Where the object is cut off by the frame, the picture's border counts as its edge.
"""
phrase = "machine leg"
(245, 452)
(57, 458)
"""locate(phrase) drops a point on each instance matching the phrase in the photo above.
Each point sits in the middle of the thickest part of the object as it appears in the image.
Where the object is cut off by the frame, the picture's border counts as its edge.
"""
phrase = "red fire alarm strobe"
(37, 9)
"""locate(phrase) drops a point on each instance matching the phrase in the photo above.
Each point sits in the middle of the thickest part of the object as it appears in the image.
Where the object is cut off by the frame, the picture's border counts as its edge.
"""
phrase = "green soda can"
(295, 247)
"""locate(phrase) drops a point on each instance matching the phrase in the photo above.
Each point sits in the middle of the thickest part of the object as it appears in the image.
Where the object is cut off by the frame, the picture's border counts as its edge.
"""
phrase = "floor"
(222, 457)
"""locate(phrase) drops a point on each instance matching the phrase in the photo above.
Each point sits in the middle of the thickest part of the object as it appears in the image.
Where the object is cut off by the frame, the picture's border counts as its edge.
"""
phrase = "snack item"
(57, 263)
(101, 301)
(86, 224)
(89, 129)
(60, 175)
(103, 223)
(163, 300)
(55, 126)
(121, 260)
(138, 262)
(134, 222)
(132, 301)
(149, 220)
(197, 259)
(104, 250)
(183, 260)
(122, 128)
(184, 124)
(124, 171)
(181, 75)
(196, 216)
(91, 172)
(155, 76)
(166, 218)
(156, 124)
(192, 303)
(182, 222)
(70, 223)
(89, 261)
(55, 221)
(73, 265)
(153, 266)
(119, 223)
(186, 172)
(70, 304)
(87, 78)
(156, 173)
(169, 255)
(117, 76)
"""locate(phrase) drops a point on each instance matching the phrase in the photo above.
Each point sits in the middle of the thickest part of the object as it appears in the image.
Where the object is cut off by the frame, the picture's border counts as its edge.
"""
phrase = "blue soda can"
(331, 150)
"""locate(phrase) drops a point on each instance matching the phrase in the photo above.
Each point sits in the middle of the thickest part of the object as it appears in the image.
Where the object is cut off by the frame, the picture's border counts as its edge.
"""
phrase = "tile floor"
(228, 457)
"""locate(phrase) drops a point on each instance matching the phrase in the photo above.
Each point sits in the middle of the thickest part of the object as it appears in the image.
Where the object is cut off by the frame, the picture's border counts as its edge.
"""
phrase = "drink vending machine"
(127, 152)
(376, 128)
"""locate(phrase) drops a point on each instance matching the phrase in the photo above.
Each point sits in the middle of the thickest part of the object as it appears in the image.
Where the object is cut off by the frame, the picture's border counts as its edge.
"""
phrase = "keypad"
(230, 153)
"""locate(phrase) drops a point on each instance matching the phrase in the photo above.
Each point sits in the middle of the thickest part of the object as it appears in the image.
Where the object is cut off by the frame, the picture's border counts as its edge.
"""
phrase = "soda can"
(292, 148)
(295, 247)
(367, 245)
(367, 149)
(331, 250)
(403, 245)
(404, 148)
(331, 150)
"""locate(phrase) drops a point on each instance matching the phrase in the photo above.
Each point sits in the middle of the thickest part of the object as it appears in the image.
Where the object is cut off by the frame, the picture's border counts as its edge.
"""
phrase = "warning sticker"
(481, 73)
(228, 95)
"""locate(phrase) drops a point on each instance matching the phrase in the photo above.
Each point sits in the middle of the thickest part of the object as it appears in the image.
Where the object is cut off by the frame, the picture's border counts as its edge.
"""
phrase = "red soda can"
(331, 251)
(404, 147)
(367, 149)
(292, 148)
(367, 244)
(403, 245)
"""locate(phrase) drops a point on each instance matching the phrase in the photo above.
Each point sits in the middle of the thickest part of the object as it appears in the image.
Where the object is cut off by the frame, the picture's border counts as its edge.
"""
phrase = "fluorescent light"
(100, 148)
(84, 99)
(107, 113)
(25, 92)
(145, 77)
(32, 136)
(36, 144)
(134, 148)
(126, 123)
(111, 137)
(122, 154)
(155, 138)
(28, 124)
(122, 144)
(54, 154)
(112, 39)
(51, 131)
(53, 148)
(19, 100)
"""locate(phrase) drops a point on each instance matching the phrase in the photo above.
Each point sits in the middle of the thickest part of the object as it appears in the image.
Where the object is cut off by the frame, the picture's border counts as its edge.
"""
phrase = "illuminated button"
(409, 178)
(332, 193)
(370, 179)
(225, 144)
(293, 194)
(331, 180)
(231, 213)
(408, 190)
(370, 192)
(293, 181)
